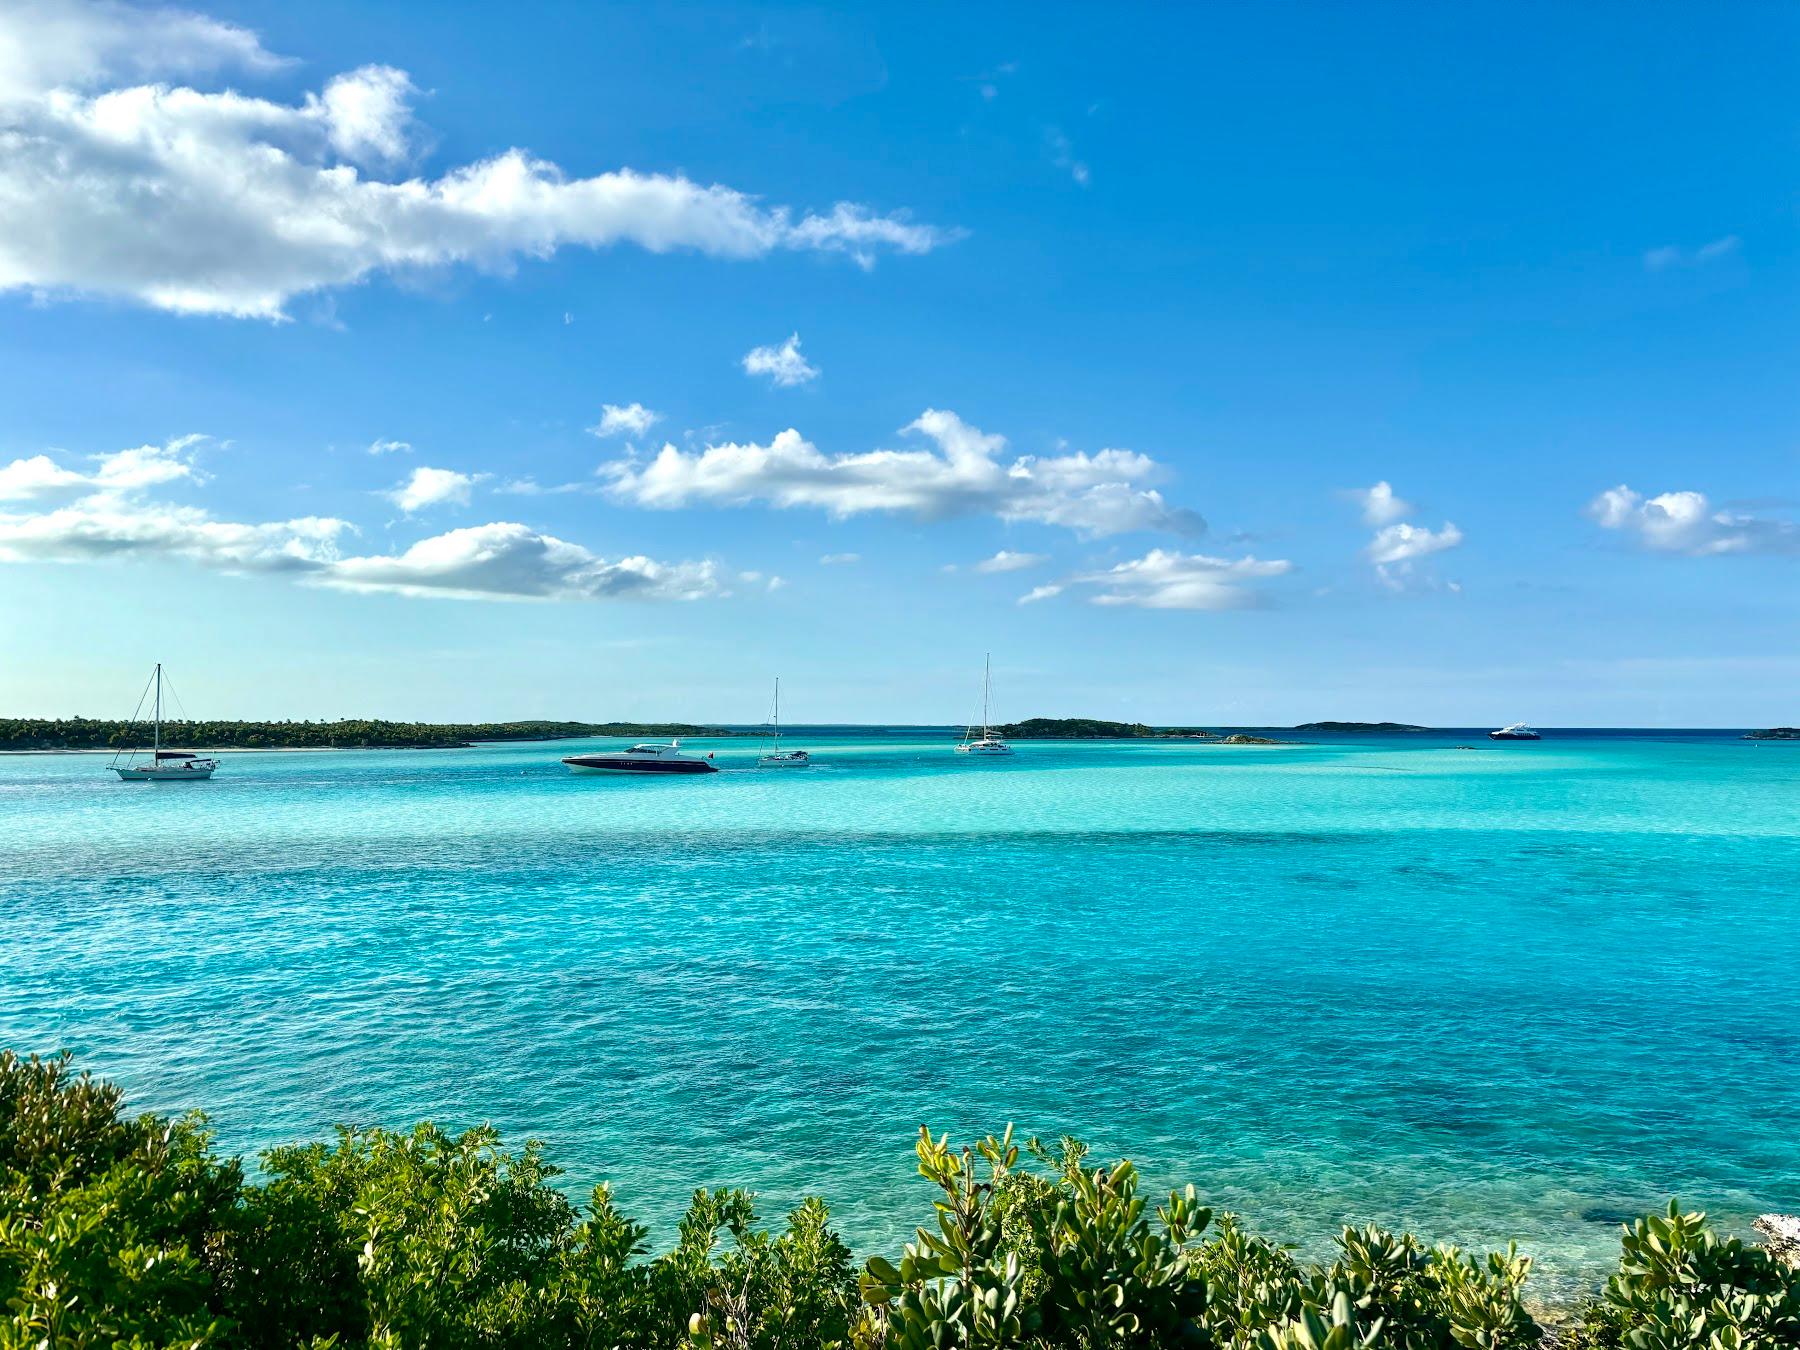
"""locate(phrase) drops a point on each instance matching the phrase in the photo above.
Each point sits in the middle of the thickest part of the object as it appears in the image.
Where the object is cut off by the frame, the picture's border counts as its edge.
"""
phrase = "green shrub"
(119, 1231)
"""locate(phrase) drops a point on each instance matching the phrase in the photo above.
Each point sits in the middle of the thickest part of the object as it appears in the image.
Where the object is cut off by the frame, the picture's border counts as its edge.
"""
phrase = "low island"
(1359, 726)
(350, 733)
(1774, 734)
(1094, 729)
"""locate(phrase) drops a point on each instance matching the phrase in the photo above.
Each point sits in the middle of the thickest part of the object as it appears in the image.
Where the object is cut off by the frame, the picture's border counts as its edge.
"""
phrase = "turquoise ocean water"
(1513, 990)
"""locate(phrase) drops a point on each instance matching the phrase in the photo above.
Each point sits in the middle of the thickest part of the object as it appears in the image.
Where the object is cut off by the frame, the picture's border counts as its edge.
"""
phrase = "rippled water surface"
(1513, 990)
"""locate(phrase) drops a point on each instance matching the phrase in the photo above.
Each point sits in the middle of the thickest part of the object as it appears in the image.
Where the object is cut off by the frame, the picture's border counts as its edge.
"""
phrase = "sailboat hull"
(166, 774)
(977, 748)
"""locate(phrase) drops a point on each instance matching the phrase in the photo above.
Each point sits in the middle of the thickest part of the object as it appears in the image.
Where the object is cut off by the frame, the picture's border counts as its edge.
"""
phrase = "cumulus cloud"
(508, 561)
(433, 487)
(1379, 504)
(1403, 543)
(1037, 593)
(1396, 549)
(631, 419)
(390, 447)
(118, 518)
(1686, 522)
(1098, 494)
(41, 478)
(784, 365)
(226, 203)
(50, 44)
(1673, 255)
(1165, 579)
(1007, 561)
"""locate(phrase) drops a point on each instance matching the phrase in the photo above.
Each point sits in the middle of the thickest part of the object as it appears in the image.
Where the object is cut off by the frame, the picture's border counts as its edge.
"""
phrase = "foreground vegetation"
(350, 733)
(117, 1231)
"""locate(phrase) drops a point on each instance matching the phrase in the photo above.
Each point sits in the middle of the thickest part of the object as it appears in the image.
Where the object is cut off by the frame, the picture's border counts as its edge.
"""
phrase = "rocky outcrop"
(1239, 738)
(1781, 1235)
(1774, 734)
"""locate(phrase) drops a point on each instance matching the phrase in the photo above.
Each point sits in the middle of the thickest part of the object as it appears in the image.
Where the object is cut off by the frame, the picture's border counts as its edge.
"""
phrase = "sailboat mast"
(157, 733)
(778, 712)
(987, 681)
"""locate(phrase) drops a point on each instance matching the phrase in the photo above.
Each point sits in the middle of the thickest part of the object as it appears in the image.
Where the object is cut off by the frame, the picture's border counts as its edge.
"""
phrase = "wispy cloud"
(1687, 522)
(379, 447)
(1062, 155)
(839, 559)
(1099, 494)
(225, 203)
(1037, 593)
(1007, 561)
(783, 365)
(1674, 255)
(1165, 579)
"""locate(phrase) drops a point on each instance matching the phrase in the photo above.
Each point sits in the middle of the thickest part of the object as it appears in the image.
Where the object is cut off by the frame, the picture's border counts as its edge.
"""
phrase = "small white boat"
(987, 743)
(645, 758)
(1518, 731)
(163, 766)
(776, 757)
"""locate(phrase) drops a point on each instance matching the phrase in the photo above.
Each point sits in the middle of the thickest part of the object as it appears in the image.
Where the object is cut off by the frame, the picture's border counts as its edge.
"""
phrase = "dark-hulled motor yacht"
(642, 759)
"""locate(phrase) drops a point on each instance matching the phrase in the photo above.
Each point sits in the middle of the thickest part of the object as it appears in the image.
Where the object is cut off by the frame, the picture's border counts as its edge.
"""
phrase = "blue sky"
(1220, 364)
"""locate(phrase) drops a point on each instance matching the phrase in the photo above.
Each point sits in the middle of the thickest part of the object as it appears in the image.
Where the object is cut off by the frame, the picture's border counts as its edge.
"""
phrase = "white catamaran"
(777, 758)
(163, 766)
(988, 744)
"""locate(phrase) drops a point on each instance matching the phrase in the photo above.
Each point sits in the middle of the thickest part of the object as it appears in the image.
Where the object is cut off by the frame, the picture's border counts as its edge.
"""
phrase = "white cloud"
(1037, 593)
(1062, 155)
(839, 559)
(1006, 561)
(508, 561)
(40, 478)
(1395, 550)
(1097, 494)
(1673, 255)
(50, 44)
(225, 203)
(783, 365)
(117, 519)
(1686, 522)
(390, 447)
(1403, 543)
(433, 487)
(1164, 579)
(631, 419)
(1378, 504)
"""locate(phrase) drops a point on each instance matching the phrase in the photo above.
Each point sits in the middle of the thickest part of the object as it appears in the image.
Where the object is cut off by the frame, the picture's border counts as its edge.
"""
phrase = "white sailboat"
(163, 766)
(777, 758)
(987, 743)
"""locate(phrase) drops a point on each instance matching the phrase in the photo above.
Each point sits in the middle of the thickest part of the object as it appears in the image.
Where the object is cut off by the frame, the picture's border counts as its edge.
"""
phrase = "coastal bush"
(130, 1231)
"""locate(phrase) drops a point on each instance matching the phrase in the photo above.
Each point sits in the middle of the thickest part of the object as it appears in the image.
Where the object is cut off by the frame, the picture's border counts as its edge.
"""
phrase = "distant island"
(1774, 734)
(1092, 729)
(350, 733)
(1359, 726)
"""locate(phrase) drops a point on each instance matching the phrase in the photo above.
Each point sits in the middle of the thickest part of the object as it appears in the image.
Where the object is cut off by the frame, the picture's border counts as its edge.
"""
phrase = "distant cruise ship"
(1518, 731)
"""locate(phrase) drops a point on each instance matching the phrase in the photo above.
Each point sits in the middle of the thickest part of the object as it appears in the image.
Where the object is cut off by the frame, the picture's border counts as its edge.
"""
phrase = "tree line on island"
(134, 1231)
(350, 733)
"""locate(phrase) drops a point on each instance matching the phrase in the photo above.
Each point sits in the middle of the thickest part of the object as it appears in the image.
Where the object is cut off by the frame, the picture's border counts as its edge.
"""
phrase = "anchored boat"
(645, 758)
(1518, 731)
(776, 757)
(987, 743)
(163, 766)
